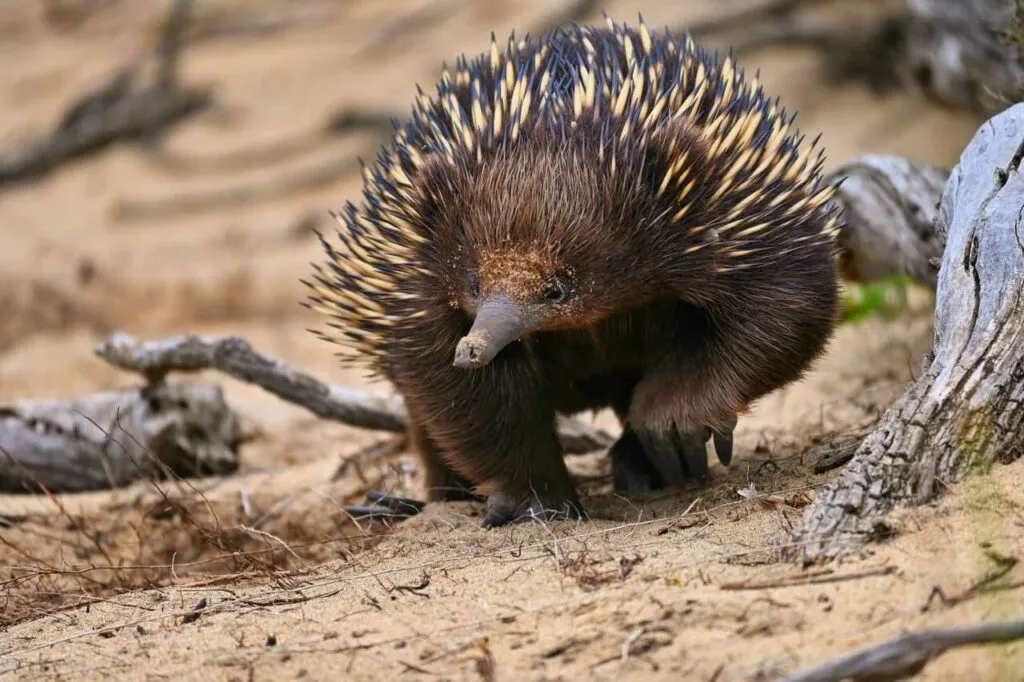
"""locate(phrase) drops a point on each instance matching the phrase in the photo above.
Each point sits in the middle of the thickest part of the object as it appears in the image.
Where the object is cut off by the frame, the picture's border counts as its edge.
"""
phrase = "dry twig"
(236, 358)
(908, 654)
(120, 110)
(813, 577)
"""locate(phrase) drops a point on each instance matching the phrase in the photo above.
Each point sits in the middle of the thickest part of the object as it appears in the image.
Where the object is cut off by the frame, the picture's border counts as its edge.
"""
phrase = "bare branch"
(244, 194)
(119, 110)
(908, 654)
(236, 358)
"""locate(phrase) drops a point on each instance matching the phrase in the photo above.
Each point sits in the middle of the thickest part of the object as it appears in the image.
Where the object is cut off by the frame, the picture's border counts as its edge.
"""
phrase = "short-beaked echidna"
(600, 218)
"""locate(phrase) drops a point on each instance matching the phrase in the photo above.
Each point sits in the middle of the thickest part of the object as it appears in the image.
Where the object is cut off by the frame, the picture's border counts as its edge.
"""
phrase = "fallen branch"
(908, 654)
(118, 111)
(247, 194)
(236, 358)
(890, 205)
(967, 55)
(338, 124)
(748, 18)
(108, 440)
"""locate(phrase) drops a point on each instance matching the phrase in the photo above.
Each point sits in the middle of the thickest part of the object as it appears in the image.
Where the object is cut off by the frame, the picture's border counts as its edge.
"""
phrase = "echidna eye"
(474, 287)
(555, 293)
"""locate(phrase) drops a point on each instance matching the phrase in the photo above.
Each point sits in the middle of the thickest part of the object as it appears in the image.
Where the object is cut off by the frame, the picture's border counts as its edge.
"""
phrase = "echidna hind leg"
(680, 454)
(632, 470)
(670, 421)
(646, 460)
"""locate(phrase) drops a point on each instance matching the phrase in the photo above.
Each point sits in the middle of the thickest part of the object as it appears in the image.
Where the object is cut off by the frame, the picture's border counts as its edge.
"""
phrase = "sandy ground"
(673, 588)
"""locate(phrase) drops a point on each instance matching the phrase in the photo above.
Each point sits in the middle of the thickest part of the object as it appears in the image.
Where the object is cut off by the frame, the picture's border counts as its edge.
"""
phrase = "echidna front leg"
(495, 427)
(674, 415)
(443, 484)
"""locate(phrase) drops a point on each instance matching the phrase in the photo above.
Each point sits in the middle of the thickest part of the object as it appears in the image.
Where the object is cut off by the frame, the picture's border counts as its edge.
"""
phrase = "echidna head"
(512, 292)
(543, 238)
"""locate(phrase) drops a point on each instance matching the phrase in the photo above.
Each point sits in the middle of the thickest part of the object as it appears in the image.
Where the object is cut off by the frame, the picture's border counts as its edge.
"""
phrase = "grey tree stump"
(966, 412)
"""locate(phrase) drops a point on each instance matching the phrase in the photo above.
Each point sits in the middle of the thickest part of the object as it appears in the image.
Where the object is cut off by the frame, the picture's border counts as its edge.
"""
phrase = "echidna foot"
(679, 455)
(675, 454)
(632, 471)
(503, 508)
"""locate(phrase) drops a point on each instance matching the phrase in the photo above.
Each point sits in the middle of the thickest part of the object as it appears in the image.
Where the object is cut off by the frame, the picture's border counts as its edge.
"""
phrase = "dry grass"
(167, 534)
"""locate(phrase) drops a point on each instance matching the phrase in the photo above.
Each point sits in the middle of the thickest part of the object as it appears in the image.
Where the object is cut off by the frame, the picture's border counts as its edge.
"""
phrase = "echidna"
(600, 218)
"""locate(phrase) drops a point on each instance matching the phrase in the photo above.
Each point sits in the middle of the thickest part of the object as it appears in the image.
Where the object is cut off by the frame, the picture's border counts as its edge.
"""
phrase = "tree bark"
(108, 440)
(966, 413)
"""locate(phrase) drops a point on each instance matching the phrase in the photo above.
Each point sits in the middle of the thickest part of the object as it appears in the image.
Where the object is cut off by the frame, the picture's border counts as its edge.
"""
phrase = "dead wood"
(345, 121)
(236, 358)
(966, 413)
(121, 110)
(108, 440)
(241, 195)
(890, 205)
(962, 54)
(907, 655)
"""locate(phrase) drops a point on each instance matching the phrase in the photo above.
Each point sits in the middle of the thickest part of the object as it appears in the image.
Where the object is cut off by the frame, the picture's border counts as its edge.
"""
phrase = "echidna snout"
(498, 322)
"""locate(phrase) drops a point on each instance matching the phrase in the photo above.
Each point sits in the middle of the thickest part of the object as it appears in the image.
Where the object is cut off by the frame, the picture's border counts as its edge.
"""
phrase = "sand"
(673, 587)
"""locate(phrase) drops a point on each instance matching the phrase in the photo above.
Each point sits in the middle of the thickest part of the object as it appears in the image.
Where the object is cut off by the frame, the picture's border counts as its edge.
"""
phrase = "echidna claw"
(386, 506)
(723, 442)
(692, 446)
(678, 456)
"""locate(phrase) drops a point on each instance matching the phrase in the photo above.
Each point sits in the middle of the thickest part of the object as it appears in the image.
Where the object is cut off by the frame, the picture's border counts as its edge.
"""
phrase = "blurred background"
(230, 141)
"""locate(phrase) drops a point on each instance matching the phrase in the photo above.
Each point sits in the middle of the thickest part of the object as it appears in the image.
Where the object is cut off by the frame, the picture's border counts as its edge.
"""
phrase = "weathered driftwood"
(108, 440)
(890, 205)
(236, 358)
(120, 110)
(966, 412)
(908, 654)
(960, 53)
(249, 193)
